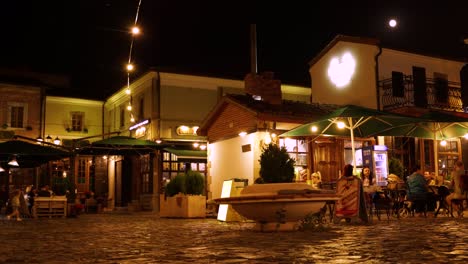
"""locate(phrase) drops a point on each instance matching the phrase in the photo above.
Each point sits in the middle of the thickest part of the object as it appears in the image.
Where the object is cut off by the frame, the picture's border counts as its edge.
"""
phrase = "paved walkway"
(146, 238)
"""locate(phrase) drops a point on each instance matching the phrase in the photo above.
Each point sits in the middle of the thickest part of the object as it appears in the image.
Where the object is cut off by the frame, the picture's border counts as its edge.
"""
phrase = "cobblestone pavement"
(146, 238)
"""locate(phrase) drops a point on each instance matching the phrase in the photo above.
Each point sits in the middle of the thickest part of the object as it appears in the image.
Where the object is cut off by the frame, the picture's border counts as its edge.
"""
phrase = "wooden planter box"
(183, 206)
(50, 207)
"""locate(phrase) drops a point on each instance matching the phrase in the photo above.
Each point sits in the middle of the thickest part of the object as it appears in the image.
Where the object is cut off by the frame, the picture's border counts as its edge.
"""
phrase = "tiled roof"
(288, 108)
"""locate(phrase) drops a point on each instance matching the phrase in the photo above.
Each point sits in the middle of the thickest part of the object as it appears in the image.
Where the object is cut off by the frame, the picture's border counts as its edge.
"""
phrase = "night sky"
(88, 40)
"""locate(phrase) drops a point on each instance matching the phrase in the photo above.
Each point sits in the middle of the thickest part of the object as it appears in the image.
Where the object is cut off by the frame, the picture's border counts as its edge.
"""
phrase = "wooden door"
(328, 158)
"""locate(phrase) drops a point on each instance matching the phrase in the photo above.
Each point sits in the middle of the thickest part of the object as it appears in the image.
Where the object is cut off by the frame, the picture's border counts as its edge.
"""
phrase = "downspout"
(102, 118)
(42, 114)
(376, 58)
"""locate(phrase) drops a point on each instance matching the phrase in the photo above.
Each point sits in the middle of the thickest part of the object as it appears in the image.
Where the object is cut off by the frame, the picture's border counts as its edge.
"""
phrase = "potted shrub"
(184, 197)
(276, 165)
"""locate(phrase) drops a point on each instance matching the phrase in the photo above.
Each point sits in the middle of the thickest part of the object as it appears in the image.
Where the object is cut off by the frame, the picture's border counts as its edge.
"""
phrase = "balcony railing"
(452, 102)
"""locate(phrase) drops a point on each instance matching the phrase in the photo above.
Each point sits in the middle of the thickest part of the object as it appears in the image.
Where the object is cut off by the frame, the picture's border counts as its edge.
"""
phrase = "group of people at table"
(417, 187)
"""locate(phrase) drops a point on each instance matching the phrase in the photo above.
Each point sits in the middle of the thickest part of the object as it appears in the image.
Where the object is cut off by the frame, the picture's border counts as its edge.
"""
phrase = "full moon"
(392, 23)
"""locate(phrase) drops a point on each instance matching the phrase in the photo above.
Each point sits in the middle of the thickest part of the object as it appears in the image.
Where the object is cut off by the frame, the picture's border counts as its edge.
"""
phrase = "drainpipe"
(102, 118)
(42, 114)
(376, 58)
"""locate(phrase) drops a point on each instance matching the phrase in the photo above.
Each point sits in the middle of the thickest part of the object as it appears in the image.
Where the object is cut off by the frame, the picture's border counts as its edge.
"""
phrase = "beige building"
(169, 108)
(359, 71)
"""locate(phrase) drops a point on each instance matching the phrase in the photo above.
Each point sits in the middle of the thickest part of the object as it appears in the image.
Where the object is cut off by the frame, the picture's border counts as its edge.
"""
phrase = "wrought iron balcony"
(446, 98)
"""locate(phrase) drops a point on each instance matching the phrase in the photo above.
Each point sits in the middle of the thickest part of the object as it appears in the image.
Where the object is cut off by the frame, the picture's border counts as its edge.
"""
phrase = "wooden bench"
(55, 206)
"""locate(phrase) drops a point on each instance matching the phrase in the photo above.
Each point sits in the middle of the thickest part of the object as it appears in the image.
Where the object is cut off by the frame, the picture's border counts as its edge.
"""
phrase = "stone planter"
(279, 206)
(183, 206)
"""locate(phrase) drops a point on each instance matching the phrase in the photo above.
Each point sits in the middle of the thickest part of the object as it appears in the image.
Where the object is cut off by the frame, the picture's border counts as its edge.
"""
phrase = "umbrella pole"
(436, 157)
(351, 129)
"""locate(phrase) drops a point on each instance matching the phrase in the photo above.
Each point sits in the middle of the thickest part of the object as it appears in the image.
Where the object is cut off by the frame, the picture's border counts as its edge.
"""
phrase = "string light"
(135, 30)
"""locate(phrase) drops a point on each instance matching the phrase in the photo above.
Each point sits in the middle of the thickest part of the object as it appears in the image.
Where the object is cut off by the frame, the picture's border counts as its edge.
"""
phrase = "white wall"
(227, 161)
(362, 88)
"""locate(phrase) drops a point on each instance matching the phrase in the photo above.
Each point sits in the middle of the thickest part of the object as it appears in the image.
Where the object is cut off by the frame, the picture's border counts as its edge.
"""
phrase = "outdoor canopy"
(433, 125)
(30, 155)
(358, 122)
(120, 145)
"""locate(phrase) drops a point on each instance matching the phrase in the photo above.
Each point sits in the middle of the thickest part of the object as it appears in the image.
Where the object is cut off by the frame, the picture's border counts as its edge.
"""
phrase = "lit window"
(77, 121)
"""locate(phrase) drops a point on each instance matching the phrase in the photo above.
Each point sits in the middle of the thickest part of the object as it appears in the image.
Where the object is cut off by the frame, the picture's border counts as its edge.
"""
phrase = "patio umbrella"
(30, 155)
(433, 125)
(358, 122)
(120, 145)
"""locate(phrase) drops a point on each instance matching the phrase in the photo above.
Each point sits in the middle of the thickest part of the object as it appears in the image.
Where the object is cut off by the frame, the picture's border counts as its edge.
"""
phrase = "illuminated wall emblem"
(341, 70)
(186, 130)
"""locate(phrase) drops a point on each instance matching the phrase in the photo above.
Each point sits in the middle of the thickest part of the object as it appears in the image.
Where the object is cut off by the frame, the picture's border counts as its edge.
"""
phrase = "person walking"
(15, 205)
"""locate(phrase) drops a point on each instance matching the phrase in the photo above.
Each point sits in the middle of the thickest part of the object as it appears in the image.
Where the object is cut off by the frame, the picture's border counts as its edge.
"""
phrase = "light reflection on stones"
(145, 238)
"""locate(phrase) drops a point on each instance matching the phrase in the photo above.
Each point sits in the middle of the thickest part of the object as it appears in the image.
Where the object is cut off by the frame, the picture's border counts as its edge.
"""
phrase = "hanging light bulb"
(13, 162)
(2, 169)
(128, 91)
(135, 30)
(466, 136)
(202, 147)
(132, 119)
(130, 67)
(443, 143)
(48, 139)
(129, 107)
(196, 144)
(158, 141)
(57, 141)
(313, 129)
(340, 124)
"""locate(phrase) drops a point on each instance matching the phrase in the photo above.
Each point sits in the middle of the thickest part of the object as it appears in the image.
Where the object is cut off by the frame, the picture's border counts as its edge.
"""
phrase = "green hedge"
(192, 183)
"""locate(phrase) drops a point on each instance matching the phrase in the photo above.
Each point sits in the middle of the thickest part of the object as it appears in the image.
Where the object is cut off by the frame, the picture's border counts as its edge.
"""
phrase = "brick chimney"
(264, 86)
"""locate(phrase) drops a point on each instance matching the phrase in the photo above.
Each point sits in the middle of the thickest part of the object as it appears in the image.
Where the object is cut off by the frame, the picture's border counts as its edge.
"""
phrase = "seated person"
(316, 180)
(367, 176)
(417, 190)
(458, 192)
(44, 191)
(429, 179)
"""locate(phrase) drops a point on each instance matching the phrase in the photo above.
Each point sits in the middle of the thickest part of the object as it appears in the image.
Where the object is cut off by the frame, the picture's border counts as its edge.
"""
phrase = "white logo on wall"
(341, 70)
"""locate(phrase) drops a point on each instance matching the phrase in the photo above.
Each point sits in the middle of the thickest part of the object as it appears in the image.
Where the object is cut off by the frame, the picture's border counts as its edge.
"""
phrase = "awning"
(30, 155)
(188, 155)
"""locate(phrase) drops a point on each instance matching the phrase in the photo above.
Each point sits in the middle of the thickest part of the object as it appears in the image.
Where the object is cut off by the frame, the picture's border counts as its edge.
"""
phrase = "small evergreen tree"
(276, 165)
(396, 167)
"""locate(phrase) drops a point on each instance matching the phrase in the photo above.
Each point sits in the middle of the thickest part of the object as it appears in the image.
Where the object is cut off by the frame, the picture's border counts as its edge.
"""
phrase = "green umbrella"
(434, 125)
(29, 155)
(119, 145)
(358, 121)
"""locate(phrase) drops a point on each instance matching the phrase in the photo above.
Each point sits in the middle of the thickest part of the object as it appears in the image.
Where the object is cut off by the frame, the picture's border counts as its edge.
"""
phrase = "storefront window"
(447, 157)
(297, 150)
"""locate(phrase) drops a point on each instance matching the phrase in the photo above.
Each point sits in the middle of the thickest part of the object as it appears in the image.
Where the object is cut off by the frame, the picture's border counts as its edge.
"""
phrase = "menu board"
(348, 205)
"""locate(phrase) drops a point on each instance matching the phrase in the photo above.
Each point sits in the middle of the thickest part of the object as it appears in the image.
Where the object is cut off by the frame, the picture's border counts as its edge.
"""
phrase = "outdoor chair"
(381, 203)
(91, 205)
(442, 193)
(459, 202)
